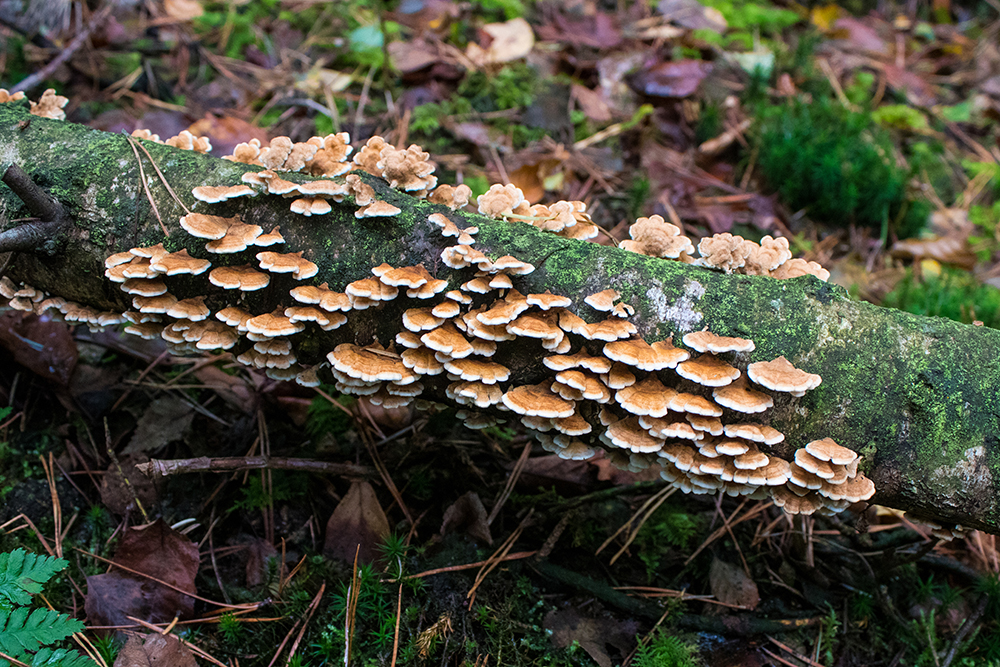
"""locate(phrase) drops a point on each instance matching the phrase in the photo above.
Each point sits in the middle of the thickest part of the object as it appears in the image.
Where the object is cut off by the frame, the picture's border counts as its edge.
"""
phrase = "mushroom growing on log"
(915, 397)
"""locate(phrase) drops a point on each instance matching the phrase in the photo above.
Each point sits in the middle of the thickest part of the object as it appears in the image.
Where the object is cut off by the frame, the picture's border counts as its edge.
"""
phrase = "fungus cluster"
(697, 411)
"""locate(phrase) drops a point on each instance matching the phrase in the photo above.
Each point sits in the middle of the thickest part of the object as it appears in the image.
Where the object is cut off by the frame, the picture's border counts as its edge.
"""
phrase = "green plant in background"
(747, 18)
(952, 293)
(836, 164)
(665, 650)
(25, 635)
(668, 527)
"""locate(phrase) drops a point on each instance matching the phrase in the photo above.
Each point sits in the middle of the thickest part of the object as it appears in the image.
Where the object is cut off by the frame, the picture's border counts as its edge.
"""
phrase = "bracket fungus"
(645, 402)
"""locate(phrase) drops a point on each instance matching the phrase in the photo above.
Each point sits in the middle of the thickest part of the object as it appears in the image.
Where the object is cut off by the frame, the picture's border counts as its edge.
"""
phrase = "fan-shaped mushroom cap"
(655, 237)
(145, 330)
(244, 278)
(581, 359)
(780, 375)
(828, 450)
(804, 479)
(474, 393)
(144, 287)
(506, 310)
(154, 304)
(501, 281)
(205, 226)
(293, 263)
(706, 341)
(215, 335)
(234, 317)
(194, 309)
(538, 401)
(628, 434)
(603, 301)
(708, 371)
(768, 256)
(619, 376)
(238, 237)
(310, 206)
(449, 340)
(477, 329)
(853, 490)
(370, 364)
(549, 300)
(176, 263)
(409, 276)
(646, 397)
(512, 265)
(640, 354)
(275, 346)
(710, 425)
(273, 325)
(323, 188)
(420, 319)
(834, 474)
(665, 427)
(378, 209)
(409, 170)
(462, 256)
(608, 330)
(446, 310)
(739, 397)
(454, 197)
(724, 251)
(487, 372)
(138, 268)
(755, 433)
(421, 360)
(536, 325)
(588, 385)
(110, 262)
(796, 267)
(500, 200)
(792, 503)
(273, 237)
(698, 405)
(331, 155)
(575, 424)
(214, 194)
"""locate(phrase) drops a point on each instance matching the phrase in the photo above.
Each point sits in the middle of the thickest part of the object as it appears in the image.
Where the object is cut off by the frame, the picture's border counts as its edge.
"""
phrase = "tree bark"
(917, 396)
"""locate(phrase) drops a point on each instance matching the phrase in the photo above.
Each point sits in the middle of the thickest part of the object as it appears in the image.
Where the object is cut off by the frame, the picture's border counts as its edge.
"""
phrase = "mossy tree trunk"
(917, 396)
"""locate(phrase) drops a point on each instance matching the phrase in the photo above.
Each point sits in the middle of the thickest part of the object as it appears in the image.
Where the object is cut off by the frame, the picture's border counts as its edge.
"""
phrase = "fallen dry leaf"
(164, 421)
(730, 584)
(357, 525)
(502, 43)
(677, 78)
(158, 551)
(120, 496)
(468, 514)
(260, 552)
(183, 10)
(593, 635)
(41, 345)
(154, 650)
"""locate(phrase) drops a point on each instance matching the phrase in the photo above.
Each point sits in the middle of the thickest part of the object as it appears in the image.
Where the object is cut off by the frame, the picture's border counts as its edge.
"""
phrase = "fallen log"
(917, 397)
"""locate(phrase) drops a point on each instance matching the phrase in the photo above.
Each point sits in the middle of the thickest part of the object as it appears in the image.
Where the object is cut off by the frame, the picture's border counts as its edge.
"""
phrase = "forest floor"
(868, 139)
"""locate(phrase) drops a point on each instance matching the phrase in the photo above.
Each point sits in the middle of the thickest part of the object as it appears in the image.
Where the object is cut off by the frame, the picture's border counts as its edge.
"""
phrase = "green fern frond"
(21, 631)
(23, 574)
(60, 657)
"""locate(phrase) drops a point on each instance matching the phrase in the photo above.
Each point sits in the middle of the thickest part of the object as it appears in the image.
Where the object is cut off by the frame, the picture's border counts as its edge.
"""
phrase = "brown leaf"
(468, 514)
(692, 14)
(183, 10)
(549, 471)
(41, 345)
(861, 35)
(730, 584)
(164, 421)
(918, 91)
(609, 473)
(154, 650)
(678, 78)
(158, 551)
(597, 30)
(226, 131)
(501, 42)
(260, 552)
(950, 249)
(357, 525)
(592, 103)
(119, 495)
(593, 635)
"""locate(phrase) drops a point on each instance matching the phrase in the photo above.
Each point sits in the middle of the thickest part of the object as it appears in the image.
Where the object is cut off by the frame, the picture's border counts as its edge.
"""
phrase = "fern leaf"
(20, 632)
(23, 574)
(60, 657)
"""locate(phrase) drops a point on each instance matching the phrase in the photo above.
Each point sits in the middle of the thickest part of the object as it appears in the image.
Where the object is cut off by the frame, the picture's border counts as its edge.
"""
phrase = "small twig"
(142, 177)
(964, 630)
(162, 468)
(511, 481)
(41, 204)
(44, 73)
